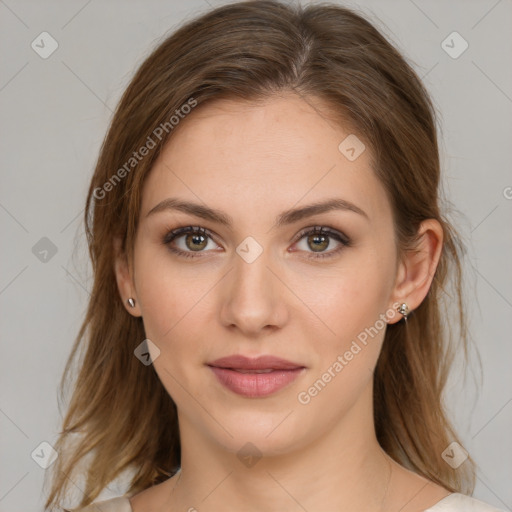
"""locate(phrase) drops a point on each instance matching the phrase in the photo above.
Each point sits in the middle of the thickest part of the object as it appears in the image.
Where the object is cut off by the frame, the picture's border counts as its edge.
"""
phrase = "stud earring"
(403, 309)
(131, 302)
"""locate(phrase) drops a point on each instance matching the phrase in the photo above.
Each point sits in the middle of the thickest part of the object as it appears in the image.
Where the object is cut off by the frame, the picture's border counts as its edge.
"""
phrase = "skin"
(253, 161)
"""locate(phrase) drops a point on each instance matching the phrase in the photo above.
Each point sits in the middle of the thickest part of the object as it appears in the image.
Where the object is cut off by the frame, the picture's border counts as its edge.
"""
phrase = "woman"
(266, 326)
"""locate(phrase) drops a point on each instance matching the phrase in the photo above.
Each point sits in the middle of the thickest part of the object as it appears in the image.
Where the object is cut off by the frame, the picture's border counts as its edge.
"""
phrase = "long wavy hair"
(119, 416)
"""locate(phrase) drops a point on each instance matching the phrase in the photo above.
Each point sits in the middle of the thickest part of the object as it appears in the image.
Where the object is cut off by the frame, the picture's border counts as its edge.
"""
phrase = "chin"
(264, 433)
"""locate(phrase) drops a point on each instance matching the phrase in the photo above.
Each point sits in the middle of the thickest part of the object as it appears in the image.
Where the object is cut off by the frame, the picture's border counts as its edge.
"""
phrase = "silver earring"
(403, 309)
(131, 302)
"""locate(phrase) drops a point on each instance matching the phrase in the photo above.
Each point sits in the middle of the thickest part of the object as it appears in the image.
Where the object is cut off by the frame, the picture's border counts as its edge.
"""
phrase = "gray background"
(54, 113)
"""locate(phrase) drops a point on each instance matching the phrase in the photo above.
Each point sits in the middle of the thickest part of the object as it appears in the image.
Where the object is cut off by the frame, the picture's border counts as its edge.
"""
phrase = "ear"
(416, 271)
(124, 279)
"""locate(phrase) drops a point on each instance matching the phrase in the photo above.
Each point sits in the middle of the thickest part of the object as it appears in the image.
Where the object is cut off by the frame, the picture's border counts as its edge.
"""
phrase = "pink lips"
(255, 377)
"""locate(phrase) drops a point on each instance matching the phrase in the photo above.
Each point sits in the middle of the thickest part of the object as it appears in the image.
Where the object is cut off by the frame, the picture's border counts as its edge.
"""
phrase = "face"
(263, 282)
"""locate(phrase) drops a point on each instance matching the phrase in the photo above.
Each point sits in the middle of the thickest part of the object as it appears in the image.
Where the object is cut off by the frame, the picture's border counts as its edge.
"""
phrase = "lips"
(242, 363)
(255, 378)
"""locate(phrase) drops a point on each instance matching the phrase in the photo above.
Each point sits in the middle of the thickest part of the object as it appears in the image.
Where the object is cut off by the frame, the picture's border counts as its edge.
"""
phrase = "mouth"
(265, 363)
(255, 378)
(268, 370)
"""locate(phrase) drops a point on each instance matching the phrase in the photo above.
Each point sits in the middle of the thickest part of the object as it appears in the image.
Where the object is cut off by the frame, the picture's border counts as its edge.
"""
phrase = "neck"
(343, 468)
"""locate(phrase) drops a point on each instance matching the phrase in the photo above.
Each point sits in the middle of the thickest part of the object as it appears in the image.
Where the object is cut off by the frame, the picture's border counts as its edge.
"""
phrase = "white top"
(454, 502)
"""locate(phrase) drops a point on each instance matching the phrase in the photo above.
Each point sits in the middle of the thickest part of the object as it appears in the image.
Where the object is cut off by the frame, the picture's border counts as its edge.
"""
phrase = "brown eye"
(319, 239)
(318, 242)
(195, 241)
(188, 240)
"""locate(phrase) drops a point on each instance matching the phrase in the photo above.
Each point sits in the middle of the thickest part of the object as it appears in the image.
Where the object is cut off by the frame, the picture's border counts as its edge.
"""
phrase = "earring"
(131, 302)
(403, 309)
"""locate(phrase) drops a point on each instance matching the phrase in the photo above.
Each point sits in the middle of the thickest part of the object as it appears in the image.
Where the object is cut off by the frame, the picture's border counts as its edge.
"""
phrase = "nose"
(253, 298)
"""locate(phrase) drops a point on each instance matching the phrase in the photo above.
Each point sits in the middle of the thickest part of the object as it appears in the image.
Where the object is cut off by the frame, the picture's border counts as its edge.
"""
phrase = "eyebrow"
(287, 217)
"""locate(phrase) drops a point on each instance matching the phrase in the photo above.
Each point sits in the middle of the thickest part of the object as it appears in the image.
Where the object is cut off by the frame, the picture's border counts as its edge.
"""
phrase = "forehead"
(269, 155)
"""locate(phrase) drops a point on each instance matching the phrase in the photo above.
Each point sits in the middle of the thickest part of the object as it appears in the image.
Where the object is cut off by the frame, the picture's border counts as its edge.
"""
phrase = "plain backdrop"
(54, 113)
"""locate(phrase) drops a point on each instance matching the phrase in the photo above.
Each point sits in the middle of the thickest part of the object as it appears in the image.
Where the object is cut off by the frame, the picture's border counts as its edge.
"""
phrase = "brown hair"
(119, 409)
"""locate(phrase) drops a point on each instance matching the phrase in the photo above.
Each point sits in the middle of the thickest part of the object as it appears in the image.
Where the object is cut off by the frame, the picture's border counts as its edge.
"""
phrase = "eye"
(319, 239)
(193, 239)
(188, 240)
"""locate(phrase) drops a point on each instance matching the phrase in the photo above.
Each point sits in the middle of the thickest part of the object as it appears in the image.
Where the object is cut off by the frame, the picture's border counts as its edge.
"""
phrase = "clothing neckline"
(431, 508)
(440, 502)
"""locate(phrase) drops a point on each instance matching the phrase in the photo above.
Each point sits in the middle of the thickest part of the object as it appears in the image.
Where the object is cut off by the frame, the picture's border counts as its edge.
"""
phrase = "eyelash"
(316, 230)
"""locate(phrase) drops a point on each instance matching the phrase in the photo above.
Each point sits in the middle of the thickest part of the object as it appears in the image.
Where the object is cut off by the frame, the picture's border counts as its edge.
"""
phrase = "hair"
(120, 415)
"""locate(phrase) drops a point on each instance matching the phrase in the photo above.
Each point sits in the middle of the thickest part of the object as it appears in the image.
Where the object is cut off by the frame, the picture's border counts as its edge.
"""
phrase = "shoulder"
(120, 504)
(457, 502)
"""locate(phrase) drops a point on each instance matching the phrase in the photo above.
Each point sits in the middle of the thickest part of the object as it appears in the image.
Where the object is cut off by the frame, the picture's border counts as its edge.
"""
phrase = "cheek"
(348, 299)
(351, 303)
(178, 314)
(344, 359)
(166, 294)
(173, 306)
